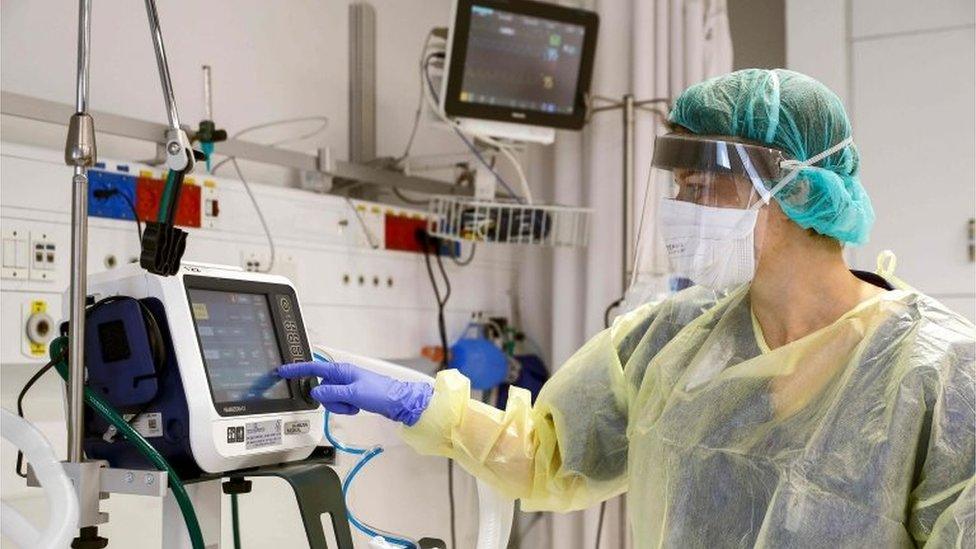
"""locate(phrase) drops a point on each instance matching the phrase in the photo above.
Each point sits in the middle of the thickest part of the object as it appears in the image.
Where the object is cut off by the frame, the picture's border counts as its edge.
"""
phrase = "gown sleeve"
(566, 452)
(942, 508)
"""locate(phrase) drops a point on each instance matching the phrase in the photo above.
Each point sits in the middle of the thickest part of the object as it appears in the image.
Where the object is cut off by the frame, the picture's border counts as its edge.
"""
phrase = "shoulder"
(934, 329)
(933, 343)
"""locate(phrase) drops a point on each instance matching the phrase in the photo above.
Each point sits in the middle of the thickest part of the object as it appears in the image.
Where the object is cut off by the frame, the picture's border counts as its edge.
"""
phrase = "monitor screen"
(240, 348)
(521, 61)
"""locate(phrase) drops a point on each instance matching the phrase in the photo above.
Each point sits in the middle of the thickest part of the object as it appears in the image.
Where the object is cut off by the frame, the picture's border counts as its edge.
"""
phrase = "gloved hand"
(346, 389)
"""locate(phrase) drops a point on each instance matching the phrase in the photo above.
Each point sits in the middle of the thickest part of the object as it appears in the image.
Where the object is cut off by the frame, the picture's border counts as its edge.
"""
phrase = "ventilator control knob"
(305, 387)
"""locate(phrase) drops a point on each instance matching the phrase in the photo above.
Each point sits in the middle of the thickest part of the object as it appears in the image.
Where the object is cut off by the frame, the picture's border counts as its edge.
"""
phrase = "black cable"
(426, 242)
(447, 281)
(440, 313)
(523, 533)
(450, 496)
(108, 192)
(443, 329)
(20, 408)
(135, 214)
(599, 525)
(466, 262)
(606, 313)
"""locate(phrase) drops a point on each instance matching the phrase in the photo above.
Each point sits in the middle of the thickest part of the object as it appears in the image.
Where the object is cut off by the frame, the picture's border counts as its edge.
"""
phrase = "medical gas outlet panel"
(343, 253)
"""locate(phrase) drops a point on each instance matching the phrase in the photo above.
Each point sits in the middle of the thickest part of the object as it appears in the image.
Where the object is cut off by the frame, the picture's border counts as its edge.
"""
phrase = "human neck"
(800, 289)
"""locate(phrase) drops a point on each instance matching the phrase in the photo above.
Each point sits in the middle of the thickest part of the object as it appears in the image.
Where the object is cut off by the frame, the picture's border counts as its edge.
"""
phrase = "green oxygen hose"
(104, 409)
(166, 198)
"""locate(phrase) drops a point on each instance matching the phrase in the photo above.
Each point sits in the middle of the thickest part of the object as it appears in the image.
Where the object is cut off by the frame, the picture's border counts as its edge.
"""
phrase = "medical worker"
(782, 401)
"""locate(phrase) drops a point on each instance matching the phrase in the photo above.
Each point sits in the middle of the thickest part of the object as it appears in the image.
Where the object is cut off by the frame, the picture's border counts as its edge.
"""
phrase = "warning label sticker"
(148, 425)
(259, 434)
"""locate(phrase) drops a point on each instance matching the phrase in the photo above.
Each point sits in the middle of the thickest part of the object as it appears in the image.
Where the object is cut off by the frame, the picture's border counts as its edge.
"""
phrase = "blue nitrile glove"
(347, 389)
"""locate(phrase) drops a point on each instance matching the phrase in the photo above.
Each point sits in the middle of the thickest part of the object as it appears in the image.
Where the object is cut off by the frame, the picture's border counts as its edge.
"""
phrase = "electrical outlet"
(120, 204)
(255, 261)
(43, 257)
(211, 204)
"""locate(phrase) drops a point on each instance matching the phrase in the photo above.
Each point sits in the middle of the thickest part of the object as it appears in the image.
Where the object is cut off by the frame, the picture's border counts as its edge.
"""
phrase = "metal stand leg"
(318, 490)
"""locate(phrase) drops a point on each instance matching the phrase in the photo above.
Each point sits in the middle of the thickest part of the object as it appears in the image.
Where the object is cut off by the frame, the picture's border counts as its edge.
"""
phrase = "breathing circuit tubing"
(367, 454)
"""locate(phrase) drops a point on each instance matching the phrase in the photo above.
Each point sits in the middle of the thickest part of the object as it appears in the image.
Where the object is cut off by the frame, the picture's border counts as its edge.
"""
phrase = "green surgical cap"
(800, 116)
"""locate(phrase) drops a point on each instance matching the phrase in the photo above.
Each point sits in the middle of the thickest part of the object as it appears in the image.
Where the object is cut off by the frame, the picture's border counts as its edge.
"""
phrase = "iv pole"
(80, 154)
(629, 108)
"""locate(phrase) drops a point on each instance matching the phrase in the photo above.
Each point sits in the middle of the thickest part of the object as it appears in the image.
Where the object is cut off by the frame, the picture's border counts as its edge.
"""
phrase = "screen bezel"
(454, 107)
(295, 402)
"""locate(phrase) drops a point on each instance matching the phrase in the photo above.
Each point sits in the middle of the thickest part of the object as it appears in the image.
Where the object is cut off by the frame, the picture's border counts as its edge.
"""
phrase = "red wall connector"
(401, 232)
(148, 193)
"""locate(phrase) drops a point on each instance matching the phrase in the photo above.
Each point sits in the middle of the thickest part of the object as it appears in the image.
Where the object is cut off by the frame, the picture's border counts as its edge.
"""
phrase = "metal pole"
(84, 57)
(79, 153)
(628, 194)
(157, 37)
(207, 94)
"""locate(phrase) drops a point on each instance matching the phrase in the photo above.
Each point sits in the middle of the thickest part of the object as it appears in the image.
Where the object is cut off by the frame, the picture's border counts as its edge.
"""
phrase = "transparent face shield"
(704, 215)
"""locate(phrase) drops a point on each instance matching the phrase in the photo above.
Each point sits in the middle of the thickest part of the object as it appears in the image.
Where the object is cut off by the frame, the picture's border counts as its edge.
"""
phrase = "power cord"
(427, 242)
(109, 192)
(20, 406)
(599, 524)
(524, 533)
(609, 309)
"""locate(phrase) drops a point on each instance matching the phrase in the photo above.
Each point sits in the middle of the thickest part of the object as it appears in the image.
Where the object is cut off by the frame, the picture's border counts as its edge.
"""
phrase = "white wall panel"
(913, 114)
(878, 17)
(816, 41)
(906, 73)
(318, 241)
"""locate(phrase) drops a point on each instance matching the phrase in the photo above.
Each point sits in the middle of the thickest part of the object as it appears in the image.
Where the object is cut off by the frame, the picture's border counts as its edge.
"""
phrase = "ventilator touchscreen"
(240, 350)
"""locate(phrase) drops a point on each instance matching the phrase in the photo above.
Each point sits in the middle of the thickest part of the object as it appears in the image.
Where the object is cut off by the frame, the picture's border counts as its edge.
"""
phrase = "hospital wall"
(270, 61)
(907, 74)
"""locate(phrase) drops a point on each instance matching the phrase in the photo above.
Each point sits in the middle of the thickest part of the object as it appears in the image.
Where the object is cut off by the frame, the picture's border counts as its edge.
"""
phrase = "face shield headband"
(717, 155)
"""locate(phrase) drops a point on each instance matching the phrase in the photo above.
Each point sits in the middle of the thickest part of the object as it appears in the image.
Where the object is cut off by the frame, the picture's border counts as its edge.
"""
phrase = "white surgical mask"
(714, 247)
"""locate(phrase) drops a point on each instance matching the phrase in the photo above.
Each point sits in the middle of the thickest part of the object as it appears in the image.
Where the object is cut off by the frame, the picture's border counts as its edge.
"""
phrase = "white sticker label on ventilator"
(148, 425)
(259, 434)
(299, 427)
